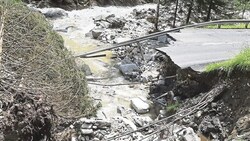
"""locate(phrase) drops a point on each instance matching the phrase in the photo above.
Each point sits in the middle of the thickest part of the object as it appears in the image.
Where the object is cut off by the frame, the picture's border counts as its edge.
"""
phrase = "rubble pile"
(112, 29)
(96, 129)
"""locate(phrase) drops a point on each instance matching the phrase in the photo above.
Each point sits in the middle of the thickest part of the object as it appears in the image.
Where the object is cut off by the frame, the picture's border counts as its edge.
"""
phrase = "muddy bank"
(224, 116)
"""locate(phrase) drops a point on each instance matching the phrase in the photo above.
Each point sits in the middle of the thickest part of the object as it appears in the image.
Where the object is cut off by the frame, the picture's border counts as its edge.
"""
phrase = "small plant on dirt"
(239, 62)
(171, 108)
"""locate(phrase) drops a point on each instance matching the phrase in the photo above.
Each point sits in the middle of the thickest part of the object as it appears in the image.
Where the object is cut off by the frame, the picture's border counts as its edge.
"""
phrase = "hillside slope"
(40, 84)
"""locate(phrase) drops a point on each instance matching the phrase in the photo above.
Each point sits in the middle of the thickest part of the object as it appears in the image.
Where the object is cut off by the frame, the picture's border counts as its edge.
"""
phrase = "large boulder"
(109, 21)
(96, 33)
(140, 106)
(53, 12)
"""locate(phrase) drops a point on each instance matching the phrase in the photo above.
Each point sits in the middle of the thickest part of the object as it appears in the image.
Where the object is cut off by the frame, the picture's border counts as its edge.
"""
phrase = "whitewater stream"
(74, 26)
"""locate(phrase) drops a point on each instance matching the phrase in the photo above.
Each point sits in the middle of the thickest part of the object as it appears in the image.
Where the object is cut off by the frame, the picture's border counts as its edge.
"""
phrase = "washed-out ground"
(105, 81)
(78, 24)
(201, 97)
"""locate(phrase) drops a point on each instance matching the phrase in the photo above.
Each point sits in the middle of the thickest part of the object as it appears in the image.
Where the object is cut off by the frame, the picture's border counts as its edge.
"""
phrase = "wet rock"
(140, 106)
(213, 104)
(87, 131)
(102, 18)
(87, 126)
(188, 134)
(73, 138)
(96, 33)
(243, 124)
(138, 122)
(102, 124)
(99, 134)
(120, 110)
(211, 126)
(116, 22)
(128, 69)
(109, 21)
(193, 125)
(163, 112)
(177, 132)
(129, 123)
(148, 14)
(96, 139)
(53, 12)
(86, 69)
(198, 114)
(142, 121)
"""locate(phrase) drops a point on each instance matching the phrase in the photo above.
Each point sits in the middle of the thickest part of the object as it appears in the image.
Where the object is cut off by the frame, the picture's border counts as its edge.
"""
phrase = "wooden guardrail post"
(246, 25)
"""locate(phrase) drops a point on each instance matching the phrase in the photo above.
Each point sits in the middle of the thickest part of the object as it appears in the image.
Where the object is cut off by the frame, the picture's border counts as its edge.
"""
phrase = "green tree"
(242, 5)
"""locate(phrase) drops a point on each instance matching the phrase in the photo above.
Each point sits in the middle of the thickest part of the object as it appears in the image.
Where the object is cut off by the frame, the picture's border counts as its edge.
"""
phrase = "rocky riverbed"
(141, 93)
(119, 86)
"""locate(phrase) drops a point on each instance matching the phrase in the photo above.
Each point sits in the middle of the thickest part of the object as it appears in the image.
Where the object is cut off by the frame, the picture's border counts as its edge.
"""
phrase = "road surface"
(198, 47)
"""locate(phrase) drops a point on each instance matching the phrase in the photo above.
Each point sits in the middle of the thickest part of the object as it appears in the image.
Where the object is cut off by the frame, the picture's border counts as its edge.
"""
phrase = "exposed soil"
(27, 119)
(219, 120)
(230, 106)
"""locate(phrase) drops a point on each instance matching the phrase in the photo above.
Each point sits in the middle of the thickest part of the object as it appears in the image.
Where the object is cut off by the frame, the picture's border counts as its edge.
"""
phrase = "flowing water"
(77, 24)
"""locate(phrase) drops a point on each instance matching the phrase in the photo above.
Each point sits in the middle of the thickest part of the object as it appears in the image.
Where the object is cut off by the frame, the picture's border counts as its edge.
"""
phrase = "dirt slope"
(225, 117)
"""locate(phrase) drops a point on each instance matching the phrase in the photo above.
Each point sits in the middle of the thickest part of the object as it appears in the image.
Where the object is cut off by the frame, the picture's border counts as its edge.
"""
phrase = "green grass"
(228, 26)
(172, 107)
(240, 61)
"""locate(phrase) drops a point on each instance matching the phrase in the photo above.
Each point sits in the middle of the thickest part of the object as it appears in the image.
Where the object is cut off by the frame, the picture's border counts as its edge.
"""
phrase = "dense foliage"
(206, 10)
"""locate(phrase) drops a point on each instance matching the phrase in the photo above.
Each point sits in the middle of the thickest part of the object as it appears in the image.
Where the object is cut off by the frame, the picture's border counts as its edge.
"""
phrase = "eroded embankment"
(40, 84)
(215, 104)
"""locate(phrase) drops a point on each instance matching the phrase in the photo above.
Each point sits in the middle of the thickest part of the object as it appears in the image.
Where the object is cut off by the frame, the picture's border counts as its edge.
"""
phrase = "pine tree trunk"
(209, 10)
(189, 11)
(157, 16)
(175, 12)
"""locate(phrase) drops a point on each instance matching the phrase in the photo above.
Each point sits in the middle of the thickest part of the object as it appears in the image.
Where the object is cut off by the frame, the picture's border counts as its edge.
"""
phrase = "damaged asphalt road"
(197, 47)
